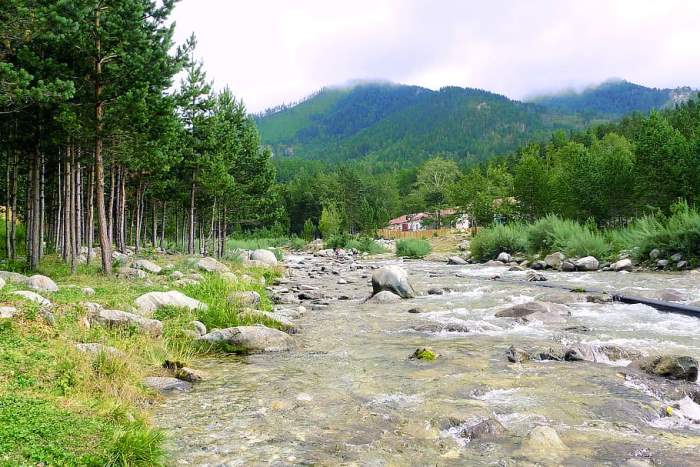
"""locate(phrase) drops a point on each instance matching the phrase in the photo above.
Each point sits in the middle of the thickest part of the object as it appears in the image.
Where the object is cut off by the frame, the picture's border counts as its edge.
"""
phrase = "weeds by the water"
(359, 243)
(59, 406)
(488, 243)
(413, 248)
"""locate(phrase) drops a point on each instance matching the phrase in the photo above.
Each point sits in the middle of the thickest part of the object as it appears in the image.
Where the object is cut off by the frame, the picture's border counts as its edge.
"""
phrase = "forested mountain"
(404, 125)
(614, 99)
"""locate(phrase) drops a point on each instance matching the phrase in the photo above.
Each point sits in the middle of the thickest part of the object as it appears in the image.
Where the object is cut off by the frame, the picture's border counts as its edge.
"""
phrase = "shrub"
(329, 223)
(587, 243)
(413, 248)
(680, 233)
(488, 243)
(366, 245)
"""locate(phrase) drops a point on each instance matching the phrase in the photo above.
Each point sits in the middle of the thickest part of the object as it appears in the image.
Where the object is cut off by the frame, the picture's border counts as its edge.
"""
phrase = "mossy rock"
(424, 354)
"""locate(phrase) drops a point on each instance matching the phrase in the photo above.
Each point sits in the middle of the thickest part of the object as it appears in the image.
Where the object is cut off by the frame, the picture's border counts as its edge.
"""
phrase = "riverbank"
(77, 377)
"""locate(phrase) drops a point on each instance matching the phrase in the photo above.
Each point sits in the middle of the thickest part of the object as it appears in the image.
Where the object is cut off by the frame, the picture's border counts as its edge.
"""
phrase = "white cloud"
(274, 51)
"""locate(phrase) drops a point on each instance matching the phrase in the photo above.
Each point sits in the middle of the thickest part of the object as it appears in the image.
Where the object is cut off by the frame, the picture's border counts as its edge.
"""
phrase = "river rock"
(198, 327)
(175, 275)
(384, 297)
(533, 308)
(587, 263)
(533, 276)
(189, 374)
(264, 256)
(503, 257)
(435, 291)
(229, 276)
(567, 266)
(676, 257)
(148, 266)
(185, 282)
(456, 260)
(166, 384)
(622, 265)
(516, 355)
(599, 353)
(543, 443)
(682, 265)
(131, 273)
(13, 277)
(33, 297)
(211, 265)
(678, 367)
(95, 348)
(89, 291)
(248, 298)
(7, 312)
(554, 260)
(670, 295)
(123, 319)
(251, 339)
(489, 429)
(152, 301)
(42, 283)
(661, 264)
(393, 279)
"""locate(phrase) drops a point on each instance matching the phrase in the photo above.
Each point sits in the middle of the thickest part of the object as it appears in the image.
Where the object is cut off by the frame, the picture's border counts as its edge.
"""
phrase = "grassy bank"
(59, 406)
(677, 233)
(355, 242)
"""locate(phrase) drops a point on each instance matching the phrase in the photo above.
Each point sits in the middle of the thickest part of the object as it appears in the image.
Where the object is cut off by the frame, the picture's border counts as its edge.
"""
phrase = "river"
(350, 395)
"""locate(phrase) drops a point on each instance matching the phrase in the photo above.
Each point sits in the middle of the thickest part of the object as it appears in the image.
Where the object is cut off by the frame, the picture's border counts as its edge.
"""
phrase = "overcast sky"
(275, 51)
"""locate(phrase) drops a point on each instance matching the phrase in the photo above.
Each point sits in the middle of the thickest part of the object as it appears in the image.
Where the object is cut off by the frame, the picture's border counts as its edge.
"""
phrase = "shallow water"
(351, 396)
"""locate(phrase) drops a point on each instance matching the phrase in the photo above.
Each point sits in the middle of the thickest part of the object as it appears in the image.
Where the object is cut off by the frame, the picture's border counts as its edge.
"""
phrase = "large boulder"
(384, 297)
(131, 273)
(587, 263)
(148, 266)
(42, 283)
(33, 297)
(211, 265)
(533, 310)
(456, 260)
(393, 279)
(152, 301)
(554, 260)
(250, 339)
(123, 319)
(678, 367)
(248, 298)
(543, 443)
(504, 257)
(13, 277)
(264, 256)
(622, 265)
(7, 312)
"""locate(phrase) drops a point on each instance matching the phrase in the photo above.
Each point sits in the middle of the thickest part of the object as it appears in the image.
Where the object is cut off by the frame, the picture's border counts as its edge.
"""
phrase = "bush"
(680, 233)
(365, 245)
(488, 243)
(413, 248)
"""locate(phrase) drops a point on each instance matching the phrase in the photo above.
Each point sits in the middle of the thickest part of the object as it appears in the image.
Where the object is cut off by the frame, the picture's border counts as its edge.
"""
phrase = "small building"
(408, 222)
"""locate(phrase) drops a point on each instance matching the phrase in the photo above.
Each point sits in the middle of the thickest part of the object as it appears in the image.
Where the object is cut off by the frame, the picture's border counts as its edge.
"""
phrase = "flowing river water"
(350, 395)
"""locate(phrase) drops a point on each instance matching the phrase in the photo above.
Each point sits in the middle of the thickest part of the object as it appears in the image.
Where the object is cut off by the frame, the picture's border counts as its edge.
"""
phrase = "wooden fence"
(390, 233)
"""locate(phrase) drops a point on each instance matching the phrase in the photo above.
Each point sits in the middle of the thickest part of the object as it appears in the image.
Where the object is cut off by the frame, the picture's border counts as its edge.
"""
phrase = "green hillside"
(613, 99)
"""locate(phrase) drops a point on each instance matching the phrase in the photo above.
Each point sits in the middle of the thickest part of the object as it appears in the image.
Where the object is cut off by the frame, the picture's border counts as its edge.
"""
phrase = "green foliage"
(330, 221)
(136, 445)
(359, 243)
(489, 242)
(413, 248)
(309, 230)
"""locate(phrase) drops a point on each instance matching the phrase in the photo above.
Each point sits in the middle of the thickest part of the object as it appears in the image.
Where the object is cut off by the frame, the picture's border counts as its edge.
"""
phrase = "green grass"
(413, 248)
(488, 243)
(59, 406)
(360, 243)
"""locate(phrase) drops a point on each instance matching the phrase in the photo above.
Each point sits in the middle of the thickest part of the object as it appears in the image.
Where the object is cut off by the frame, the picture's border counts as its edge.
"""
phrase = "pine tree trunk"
(13, 222)
(7, 206)
(73, 215)
(105, 242)
(154, 225)
(162, 226)
(42, 205)
(112, 207)
(190, 241)
(89, 227)
(66, 247)
(59, 211)
(122, 210)
(138, 208)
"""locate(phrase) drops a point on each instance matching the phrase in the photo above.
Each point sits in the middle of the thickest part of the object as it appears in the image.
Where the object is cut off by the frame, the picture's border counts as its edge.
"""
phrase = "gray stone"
(554, 260)
(486, 430)
(199, 328)
(393, 279)
(13, 277)
(211, 265)
(131, 273)
(682, 265)
(655, 253)
(670, 295)
(251, 339)
(526, 309)
(543, 444)
(185, 282)
(435, 291)
(503, 257)
(176, 275)
(622, 265)
(587, 263)
(679, 367)
(229, 276)
(166, 384)
(189, 374)
(249, 298)
(42, 283)
(33, 297)
(148, 266)
(456, 260)
(538, 265)
(567, 266)
(676, 257)
(516, 355)
(533, 276)
(661, 264)
(95, 348)
(89, 291)
(384, 297)
(123, 319)
(7, 312)
(152, 301)
(264, 256)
